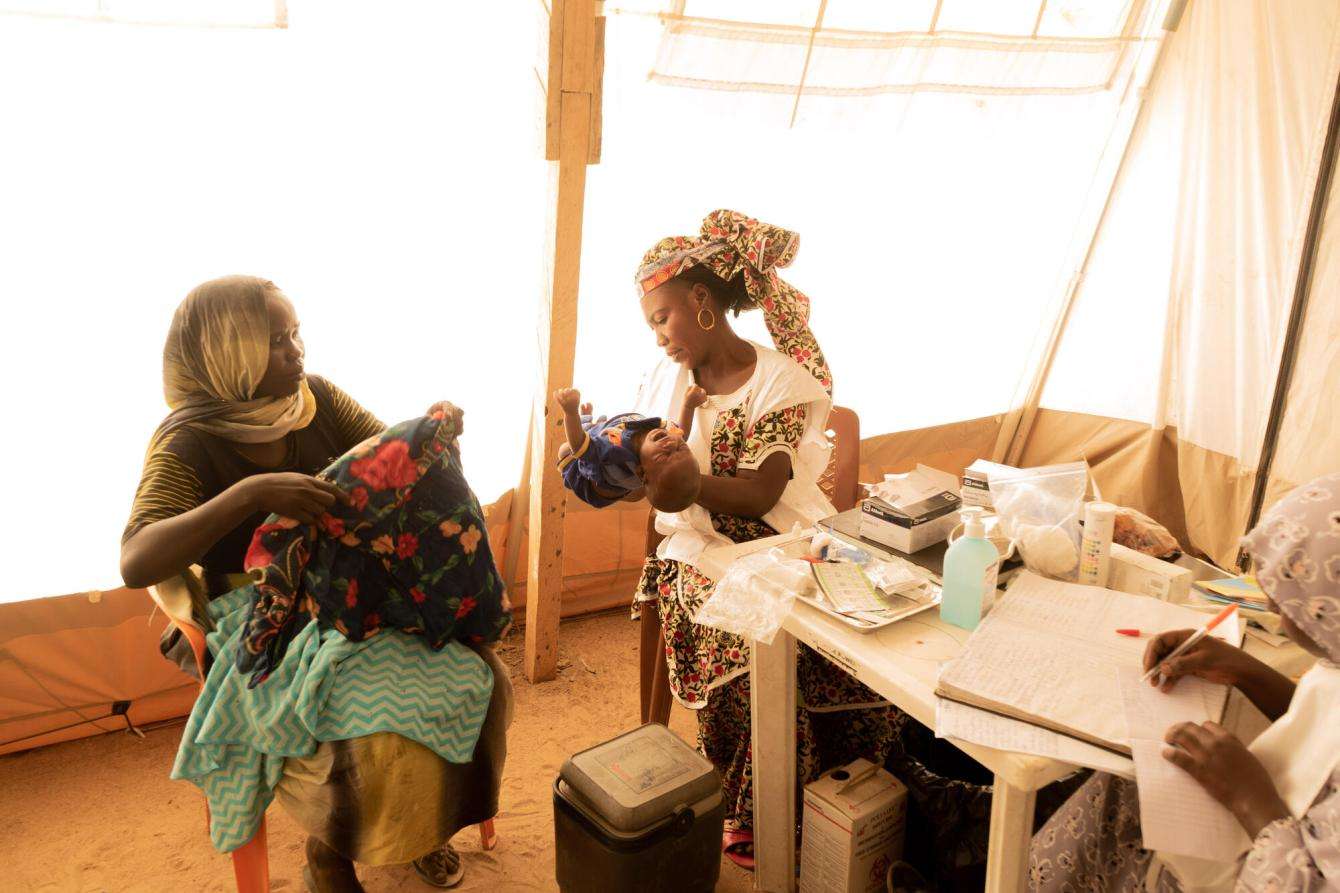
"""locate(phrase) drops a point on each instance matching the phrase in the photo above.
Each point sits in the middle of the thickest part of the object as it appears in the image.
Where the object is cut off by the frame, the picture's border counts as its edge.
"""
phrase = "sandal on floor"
(441, 868)
(738, 846)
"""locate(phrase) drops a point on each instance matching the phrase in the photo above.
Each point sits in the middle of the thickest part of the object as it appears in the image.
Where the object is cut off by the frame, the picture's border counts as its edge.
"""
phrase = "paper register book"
(1048, 654)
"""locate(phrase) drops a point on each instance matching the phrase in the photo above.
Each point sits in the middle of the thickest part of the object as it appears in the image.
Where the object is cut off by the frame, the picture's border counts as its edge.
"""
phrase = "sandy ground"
(101, 814)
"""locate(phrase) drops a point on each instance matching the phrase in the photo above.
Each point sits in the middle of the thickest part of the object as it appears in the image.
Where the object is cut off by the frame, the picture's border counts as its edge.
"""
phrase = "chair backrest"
(840, 481)
(175, 598)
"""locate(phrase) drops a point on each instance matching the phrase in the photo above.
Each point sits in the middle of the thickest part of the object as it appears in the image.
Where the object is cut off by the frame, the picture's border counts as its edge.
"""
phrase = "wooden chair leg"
(488, 836)
(659, 707)
(251, 863)
(649, 655)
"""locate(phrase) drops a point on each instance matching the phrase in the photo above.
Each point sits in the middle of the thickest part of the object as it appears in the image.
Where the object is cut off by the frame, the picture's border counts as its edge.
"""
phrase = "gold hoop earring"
(712, 317)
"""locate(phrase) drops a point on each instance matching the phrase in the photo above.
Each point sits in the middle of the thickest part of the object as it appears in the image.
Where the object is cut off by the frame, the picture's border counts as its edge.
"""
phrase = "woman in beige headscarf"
(247, 432)
(1284, 789)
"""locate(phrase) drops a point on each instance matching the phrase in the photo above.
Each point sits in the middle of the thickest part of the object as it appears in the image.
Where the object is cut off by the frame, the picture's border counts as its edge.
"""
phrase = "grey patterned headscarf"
(1297, 552)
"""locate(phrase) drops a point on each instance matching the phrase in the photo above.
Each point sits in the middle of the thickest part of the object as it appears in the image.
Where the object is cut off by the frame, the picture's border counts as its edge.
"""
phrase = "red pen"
(1133, 633)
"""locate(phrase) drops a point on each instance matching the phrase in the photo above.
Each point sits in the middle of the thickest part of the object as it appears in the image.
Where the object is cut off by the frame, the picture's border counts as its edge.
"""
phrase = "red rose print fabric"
(410, 552)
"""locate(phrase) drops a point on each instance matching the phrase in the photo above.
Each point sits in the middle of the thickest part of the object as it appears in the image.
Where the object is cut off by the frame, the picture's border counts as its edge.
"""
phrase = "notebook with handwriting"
(1048, 653)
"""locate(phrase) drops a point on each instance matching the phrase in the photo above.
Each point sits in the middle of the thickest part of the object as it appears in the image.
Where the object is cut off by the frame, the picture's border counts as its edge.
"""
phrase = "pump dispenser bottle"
(970, 570)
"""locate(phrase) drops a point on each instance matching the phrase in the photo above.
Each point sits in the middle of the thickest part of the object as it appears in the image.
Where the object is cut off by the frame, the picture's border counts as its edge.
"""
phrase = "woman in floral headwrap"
(247, 432)
(1284, 789)
(759, 439)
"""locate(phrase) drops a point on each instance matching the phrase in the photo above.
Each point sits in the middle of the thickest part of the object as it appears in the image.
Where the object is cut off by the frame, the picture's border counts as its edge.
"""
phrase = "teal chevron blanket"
(326, 689)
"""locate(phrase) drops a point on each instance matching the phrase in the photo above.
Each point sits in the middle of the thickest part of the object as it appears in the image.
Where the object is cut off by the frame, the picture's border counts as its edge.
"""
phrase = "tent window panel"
(225, 13)
(780, 12)
(1028, 47)
(1014, 17)
(892, 18)
(1086, 18)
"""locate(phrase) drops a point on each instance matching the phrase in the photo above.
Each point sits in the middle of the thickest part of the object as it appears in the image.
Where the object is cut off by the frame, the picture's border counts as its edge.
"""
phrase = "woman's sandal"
(441, 868)
(738, 846)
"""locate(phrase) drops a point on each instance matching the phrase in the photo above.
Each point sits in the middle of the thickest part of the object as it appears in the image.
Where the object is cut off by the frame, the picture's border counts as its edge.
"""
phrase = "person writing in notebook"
(1284, 789)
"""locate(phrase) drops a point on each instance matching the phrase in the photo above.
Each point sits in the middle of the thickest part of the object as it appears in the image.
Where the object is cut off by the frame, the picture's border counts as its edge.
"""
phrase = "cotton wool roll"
(1048, 549)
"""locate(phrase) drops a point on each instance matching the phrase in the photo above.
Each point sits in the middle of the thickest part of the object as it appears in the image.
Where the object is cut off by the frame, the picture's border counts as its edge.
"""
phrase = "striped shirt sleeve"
(168, 487)
(352, 422)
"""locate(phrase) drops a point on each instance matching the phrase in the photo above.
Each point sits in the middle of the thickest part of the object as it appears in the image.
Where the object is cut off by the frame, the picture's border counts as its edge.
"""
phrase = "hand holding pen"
(1192, 652)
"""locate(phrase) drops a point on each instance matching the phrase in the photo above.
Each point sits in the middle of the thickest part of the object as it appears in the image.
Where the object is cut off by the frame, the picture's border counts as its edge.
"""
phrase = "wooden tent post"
(572, 128)
(516, 514)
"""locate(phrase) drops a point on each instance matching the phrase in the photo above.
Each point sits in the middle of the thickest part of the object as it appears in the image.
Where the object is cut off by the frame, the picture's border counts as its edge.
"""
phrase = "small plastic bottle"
(1095, 552)
(970, 570)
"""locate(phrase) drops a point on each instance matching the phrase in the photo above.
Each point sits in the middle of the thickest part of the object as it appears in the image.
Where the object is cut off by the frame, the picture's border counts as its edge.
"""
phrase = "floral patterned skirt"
(838, 718)
(1092, 844)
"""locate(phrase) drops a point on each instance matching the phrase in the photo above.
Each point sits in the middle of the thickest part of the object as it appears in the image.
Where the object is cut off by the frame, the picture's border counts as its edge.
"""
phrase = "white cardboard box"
(854, 821)
(915, 523)
(1141, 574)
(906, 539)
(975, 489)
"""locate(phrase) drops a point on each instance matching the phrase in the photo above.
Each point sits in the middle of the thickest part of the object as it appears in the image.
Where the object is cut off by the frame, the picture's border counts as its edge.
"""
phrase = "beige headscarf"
(216, 354)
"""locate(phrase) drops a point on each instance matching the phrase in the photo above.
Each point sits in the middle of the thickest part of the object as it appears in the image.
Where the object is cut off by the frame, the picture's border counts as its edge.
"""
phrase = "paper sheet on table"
(973, 726)
(1149, 713)
(1176, 814)
(1049, 653)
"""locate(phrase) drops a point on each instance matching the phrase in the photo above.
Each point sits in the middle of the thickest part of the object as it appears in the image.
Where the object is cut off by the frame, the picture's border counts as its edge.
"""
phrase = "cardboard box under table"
(855, 819)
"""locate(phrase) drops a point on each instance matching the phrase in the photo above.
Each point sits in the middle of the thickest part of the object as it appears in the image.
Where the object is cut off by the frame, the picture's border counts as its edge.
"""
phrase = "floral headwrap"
(729, 243)
(1297, 552)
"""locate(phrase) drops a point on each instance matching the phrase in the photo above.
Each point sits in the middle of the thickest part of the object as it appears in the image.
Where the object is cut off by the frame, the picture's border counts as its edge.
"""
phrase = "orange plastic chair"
(840, 482)
(251, 861)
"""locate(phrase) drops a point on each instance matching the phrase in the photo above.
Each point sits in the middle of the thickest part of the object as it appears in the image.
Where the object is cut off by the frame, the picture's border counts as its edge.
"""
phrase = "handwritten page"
(1048, 653)
(1177, 816)
(1150, 713)
(973, 726)
(955, 720)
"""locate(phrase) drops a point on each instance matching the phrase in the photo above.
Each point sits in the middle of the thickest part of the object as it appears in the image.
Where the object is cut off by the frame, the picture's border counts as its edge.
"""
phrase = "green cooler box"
(642, 812)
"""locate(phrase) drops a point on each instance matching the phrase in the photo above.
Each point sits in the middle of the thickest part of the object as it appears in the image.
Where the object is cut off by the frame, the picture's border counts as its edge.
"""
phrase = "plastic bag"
(1143, 534)
(755, 595)
(1040, 509)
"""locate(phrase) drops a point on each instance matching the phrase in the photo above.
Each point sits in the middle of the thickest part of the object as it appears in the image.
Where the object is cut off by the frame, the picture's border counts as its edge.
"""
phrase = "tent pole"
(809, 51)
(571, 137)
(1297, 313)
(1018, 423)
(516, 514)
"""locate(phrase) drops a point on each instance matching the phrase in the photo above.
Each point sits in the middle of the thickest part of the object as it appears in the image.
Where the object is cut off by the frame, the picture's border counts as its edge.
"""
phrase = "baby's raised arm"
(694, 397)
(570, 399)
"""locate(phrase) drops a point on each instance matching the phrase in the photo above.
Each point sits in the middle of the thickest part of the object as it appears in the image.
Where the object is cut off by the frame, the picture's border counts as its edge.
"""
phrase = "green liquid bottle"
(970, 570)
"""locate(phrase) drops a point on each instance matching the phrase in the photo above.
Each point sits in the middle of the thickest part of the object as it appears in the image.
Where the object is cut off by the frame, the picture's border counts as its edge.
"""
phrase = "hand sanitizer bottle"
(971, 565)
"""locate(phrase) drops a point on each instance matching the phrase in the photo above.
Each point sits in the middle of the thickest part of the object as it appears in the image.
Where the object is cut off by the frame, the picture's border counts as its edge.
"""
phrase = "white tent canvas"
(973, 190)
